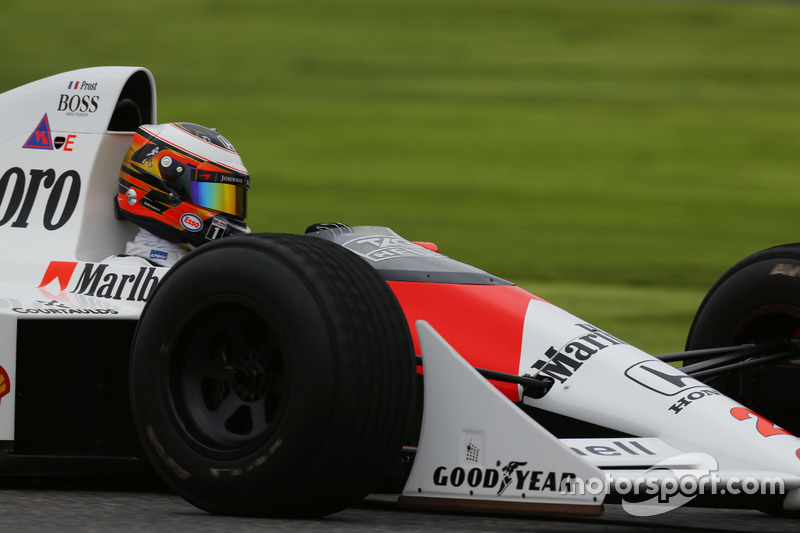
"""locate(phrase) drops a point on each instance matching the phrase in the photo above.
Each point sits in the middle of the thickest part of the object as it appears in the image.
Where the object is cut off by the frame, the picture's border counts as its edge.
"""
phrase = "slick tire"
(757, 299)
(272, 375)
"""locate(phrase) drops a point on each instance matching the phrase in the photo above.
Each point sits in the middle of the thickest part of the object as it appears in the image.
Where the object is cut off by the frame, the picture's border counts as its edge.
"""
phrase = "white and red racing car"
(277, 374)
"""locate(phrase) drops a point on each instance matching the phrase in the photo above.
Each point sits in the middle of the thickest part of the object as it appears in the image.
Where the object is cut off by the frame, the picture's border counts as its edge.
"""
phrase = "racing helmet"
(184, 183)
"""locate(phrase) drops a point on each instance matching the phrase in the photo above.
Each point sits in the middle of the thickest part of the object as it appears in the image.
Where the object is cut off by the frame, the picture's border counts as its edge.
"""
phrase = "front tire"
(758, 299)
(272, 375)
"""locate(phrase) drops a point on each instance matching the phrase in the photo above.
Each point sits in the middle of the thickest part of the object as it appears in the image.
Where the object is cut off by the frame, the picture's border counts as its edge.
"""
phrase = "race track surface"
(45, 509)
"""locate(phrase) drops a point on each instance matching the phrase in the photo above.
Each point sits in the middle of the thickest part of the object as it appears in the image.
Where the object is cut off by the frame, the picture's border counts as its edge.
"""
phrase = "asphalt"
(132, 509)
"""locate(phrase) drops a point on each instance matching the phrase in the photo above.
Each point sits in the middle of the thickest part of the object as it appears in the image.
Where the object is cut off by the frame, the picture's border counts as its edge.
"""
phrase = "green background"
(613, 157)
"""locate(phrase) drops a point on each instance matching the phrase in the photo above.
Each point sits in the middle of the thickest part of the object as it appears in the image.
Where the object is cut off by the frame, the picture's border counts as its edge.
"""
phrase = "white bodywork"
(477, 446)
(682, 430)
(59, 167)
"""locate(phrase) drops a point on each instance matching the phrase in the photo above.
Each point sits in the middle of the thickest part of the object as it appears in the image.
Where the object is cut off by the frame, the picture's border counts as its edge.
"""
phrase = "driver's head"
(184, 183)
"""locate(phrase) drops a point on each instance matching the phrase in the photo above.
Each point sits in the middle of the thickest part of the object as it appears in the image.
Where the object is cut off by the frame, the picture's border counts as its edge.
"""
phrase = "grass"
(653, 318)
(620, 155)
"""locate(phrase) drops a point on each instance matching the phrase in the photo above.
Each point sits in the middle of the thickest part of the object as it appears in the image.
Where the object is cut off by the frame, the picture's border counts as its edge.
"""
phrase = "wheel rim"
(755, 386)
(228, 377)
(765, 322)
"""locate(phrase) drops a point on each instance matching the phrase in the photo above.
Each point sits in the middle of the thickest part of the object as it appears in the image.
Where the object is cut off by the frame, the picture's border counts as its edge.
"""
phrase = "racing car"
(291, 375)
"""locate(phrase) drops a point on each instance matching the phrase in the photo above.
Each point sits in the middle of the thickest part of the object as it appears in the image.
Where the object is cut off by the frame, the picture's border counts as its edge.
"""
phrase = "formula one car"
(270, 374)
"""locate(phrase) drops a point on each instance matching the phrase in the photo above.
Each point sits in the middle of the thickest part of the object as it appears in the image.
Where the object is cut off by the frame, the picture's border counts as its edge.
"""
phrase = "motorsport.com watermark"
(668, 487)
(664, 488)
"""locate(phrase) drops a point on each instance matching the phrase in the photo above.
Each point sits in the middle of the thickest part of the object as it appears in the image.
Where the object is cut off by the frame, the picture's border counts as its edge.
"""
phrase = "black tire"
(757, 299)
(272, 375)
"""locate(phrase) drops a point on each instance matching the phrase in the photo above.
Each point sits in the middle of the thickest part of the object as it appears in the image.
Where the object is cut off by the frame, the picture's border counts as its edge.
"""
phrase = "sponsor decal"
(20, 193)
(783, 269)
(82, 86)
(58, 270)
(219, 177)
(661, 378)
(79, 105)
(217, 228)
(473, 451)
(102, 280)
(693, 396)
(94, 280)
(148, 157)
(54, 307)
(40, 139)
(148, 203)
(191, 222)
(560, 364)
(380, 248)
(510, 477)
(5, 383)
(669, 381)
(613, 449)
(158, 255)
(65, 142)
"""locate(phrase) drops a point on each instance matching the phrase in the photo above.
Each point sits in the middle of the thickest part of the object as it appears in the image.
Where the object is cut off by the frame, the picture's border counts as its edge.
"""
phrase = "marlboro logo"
(102, 280)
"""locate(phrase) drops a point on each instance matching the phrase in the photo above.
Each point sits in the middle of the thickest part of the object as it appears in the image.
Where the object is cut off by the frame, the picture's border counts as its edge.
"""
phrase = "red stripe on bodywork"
(5, 382)
(483, 323)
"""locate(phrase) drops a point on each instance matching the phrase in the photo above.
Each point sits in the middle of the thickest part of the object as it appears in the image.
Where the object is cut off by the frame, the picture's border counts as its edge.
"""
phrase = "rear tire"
(272, 375)
(757, 299)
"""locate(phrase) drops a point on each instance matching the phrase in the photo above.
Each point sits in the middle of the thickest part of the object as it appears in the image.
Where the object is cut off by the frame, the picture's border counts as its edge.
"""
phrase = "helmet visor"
(224, 197)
